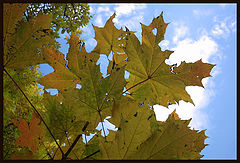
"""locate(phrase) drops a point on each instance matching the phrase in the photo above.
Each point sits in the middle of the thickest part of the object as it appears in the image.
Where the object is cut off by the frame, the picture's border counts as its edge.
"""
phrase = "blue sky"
(196, 31)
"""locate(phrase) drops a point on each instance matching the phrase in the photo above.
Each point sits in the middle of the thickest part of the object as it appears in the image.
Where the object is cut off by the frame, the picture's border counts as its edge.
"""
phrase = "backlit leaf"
(151, 79)
(130, 134)
(30, 133)
(109, 38)
(68, 76)
(175, 141)
(94, 100)
(22, 44)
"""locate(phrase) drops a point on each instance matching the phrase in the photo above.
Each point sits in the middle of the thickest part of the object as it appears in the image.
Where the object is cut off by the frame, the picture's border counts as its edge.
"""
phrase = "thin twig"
(47, 151)
(34, 110)
(85, 138)
(55, 153)
(6, 155)
(91, 155)
(45, 156)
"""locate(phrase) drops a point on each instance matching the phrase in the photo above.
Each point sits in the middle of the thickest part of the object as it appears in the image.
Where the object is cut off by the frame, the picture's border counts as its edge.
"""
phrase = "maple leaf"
(11, 15)
(131, 132)
(123, 108)
(109, 38)
(62, 77)
(94, 100)
(61, 118)
(193, 73)
(30, 132)
(151, 76)
(68, 76)
(22, 41)
(174, 140)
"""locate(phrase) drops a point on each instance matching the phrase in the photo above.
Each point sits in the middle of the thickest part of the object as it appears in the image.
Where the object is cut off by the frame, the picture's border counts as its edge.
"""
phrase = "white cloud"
(133, 23)
(180, 31)
(217, 30)
(224, 27)
(102, 11)
(92, 11)
(190, 50)
(133, 13)
(128, 8)
(99, 21)
(200, 97)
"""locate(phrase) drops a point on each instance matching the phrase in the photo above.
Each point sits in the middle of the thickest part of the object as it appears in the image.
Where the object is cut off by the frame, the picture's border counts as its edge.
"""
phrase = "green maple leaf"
(174, 140)
(151, 76)
(94, 100)
(92, 146)
(66, 77)
(109, 38)
(131, 132)
(171, 140)
(61, 118)
(11, 15)
(23, 40)
(123, 108)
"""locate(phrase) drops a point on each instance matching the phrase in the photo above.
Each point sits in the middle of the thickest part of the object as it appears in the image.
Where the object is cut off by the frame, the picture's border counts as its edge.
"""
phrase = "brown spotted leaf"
(30, 133)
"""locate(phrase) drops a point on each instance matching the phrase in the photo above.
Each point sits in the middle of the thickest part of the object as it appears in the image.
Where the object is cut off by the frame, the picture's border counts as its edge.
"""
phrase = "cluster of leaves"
(74, 112)
(17, 42)
(69, 17)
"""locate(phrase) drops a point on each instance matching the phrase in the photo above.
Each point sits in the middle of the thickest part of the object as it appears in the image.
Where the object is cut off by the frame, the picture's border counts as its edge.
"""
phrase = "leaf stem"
(136, 84)
(34, 110)
(85, 138)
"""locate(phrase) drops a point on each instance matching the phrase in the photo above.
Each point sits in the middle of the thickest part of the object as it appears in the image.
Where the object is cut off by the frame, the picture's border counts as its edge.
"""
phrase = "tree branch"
(69, 145)
(34, 110)
(75, 142)
(91, 155)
